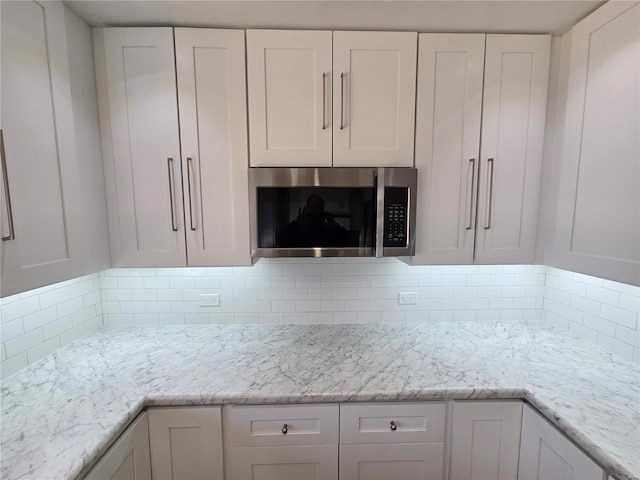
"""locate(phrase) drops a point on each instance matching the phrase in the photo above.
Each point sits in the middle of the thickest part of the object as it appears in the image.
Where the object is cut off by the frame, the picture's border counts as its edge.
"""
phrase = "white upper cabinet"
(289, 88)
(318, 98)
(41, 206)
(213, 134)
(141, 146)
(177, 191)
(448, 115)
(374, 85)
(480, 205)
(596, 229)
(513, 120)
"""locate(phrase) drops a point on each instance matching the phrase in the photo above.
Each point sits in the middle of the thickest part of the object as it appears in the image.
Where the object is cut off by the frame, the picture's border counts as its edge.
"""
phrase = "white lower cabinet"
(462, 440)
(281, 442)
(392, 440)
(186, 443)
(128, 458)
(485, 439)
(546, 454)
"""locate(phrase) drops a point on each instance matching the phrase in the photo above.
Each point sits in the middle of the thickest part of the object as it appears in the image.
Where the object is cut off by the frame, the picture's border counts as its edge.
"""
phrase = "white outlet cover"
(209, 299)
(407, 298)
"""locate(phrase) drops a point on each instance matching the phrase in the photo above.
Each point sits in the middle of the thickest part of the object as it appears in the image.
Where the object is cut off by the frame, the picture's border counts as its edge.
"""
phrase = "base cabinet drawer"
(397, 461)
(317, 462)
(280, 425)
(392, 422)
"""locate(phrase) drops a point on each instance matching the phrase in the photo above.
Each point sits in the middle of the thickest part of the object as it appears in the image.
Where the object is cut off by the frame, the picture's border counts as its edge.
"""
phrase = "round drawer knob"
(285, 429)
(393, 426)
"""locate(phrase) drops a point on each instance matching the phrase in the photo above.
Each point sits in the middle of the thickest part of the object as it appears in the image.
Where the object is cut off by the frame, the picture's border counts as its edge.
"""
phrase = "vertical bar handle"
(342, 101)
(473, 177)
(189, 160)
(171, 200)
(324, 100)
(489, 203)
(7, 194)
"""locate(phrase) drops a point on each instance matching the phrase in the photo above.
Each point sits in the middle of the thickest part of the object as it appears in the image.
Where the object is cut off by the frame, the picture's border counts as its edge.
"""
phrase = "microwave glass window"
(311, 217)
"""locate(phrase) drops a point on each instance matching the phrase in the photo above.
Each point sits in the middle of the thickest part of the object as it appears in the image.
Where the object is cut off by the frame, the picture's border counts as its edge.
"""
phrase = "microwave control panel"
(396, 200)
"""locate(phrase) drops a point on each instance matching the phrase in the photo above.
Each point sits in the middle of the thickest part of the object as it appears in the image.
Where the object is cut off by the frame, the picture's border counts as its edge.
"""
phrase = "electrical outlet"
(407, 298)
(209, 299)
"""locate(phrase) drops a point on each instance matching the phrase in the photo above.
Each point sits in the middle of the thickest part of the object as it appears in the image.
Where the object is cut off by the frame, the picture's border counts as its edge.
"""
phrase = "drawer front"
(392, 422)
(280, 425)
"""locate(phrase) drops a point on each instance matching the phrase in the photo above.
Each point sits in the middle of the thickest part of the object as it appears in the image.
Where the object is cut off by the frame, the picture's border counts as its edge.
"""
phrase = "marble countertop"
(60, 414)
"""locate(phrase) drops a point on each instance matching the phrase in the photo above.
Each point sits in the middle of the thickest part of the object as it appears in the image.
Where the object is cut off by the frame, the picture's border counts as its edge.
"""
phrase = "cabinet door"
(546, 454)
(597, 226)
(186, 443)
(398, 461)
(213, 135)
(289, 89)
(448, 113)
(513, 119)
(39, 244)
(485, 439)
(128, 458)
(141, 147)
(318, 462)
(374, 84)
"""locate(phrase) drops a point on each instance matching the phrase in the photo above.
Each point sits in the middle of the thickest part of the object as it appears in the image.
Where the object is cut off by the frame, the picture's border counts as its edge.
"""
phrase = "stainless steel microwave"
(332, 212)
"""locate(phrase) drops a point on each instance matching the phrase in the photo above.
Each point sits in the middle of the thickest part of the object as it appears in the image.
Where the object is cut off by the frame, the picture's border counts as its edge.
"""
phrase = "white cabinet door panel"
(317, 462)
(546, 454)
(398, 461)
(186, 443)
(485, 440)
(374, 85)
(598, 220)
(212, 100)
(289, 90)
(128, 458)
(144, 174)
(39, 147)
(513, 119)
(448, 114)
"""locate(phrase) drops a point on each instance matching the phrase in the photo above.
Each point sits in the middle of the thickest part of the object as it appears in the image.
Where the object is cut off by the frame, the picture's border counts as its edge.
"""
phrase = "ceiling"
(507, 16)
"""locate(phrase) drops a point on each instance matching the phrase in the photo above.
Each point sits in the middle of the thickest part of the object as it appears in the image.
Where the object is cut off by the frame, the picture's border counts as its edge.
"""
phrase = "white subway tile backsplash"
(319, 291)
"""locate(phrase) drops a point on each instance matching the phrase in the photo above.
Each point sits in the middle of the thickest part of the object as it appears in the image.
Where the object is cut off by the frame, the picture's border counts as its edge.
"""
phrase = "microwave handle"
(380, 177)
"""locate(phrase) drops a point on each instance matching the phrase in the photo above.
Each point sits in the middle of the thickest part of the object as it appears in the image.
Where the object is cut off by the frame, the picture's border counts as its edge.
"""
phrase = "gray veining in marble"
(60, 414)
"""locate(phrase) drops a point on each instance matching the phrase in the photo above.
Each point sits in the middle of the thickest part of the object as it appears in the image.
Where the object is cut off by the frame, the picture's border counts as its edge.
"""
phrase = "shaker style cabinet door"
(39, 191)
(186, 443)
(485, 440)
(374, 91)
(513, 119)
(289, 76)
(128, 458)
(141, 146)
(597, 225)
(448, 114)
(213, 134)
(545, 453)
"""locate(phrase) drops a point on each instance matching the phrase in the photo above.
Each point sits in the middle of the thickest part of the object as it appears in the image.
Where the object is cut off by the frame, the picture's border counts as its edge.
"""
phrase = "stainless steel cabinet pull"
(473, 177)
(285, 429)
(171, 200)
(342, 101)
(324, 100)
(489, 203)
(7, 194)
(189, 160)
(393, 426)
